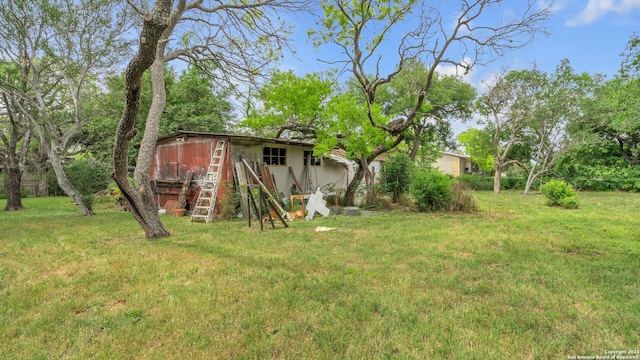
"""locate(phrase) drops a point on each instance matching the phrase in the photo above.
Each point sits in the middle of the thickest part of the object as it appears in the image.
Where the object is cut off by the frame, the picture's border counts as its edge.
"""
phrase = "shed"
(178, 153)
(453, 164)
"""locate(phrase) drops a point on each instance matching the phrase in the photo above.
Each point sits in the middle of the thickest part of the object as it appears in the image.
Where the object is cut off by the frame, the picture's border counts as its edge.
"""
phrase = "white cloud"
(598, 8)
(450, 69)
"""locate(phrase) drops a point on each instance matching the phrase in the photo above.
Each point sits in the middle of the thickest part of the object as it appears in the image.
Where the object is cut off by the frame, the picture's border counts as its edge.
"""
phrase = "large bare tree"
(472, 33)
(59, 47)
(15, 137)
(235, 42)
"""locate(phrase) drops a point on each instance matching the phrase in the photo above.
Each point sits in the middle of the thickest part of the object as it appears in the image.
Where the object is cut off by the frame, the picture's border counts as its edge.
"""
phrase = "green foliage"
(290, 100)
(570, 202)
(432, 190)
(449, 97)
(477, 182)
(397, 174)
(515, 180)
(597, 166)
(478, 145)
(193, 104)
(559, 193)
(88, 177)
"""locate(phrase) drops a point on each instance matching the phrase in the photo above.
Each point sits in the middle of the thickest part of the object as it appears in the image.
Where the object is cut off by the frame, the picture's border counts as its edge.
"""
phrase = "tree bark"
(352, 187)
(66, 186)
(496, 179)
(369, 179)
(142, 207)
(12, 188)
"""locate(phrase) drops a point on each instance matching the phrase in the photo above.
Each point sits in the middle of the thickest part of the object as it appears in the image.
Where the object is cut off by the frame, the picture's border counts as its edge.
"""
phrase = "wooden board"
(275, 205)
(242, 187)
(295, 181)
(267, 179)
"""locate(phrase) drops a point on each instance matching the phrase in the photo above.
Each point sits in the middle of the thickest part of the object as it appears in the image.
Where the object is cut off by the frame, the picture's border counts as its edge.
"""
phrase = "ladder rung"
(206, 201)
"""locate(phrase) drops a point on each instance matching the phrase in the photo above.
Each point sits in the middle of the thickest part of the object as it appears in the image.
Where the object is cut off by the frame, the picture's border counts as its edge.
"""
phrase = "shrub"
(559, 193)
(432, 190)
(88, 177)
(397, 174)
(462, 199)
(477, 182)
(513, 181)
(570, 202)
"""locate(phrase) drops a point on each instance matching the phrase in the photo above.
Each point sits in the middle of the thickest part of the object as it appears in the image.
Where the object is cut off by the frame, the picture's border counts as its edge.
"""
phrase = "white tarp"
(316, 203)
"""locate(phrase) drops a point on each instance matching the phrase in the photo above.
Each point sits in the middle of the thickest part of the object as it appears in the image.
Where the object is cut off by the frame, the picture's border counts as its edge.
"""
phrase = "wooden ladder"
(206, 203)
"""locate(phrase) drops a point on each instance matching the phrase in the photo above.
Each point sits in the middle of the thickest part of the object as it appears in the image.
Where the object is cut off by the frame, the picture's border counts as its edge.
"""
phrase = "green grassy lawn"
(518, 280)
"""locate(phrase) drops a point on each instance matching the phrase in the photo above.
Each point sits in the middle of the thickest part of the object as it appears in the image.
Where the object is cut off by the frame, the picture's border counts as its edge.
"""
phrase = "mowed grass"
(518, 280)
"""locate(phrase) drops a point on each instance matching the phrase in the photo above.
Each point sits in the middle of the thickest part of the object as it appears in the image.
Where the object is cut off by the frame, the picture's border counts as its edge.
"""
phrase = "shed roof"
(237, 138)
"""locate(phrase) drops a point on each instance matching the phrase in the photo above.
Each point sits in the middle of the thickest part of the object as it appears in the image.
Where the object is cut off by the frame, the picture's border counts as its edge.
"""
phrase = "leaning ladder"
(206, 203)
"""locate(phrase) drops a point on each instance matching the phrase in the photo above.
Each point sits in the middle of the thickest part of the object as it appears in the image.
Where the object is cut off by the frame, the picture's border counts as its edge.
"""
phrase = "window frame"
(277, 158)
(315, 160)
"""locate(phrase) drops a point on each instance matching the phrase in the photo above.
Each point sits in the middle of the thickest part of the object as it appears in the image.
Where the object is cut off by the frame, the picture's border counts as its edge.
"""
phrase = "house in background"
(453, 164)
(288, 161)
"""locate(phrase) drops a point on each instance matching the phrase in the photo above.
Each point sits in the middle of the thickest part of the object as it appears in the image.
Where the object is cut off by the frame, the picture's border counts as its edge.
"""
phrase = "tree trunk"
(496, 179)
(150, 136)
(66, 186)
(350, 194)
(141, 200)
(369, 179)
(530, 179)
(12, 188)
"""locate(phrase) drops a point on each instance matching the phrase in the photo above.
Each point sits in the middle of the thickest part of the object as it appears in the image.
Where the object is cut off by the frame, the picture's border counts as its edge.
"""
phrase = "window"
(315, 161)
(274, 156)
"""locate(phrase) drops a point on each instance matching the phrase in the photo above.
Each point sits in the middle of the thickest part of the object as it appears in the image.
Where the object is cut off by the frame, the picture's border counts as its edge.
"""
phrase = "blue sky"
(590, 33)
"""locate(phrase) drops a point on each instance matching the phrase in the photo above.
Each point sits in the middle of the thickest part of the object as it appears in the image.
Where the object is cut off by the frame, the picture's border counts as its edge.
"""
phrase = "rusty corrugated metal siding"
(174, 157)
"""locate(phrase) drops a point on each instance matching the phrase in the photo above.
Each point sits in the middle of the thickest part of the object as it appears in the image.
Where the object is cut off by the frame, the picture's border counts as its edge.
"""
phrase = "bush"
(570, 202)
(462, 200)
(559, 193)
(397, 175)
(432, 190)
(88, 177)
(477, 182)
(514, 181)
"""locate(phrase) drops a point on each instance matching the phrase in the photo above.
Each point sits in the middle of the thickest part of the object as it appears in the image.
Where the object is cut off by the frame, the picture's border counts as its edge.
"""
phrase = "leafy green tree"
(605, 149)
(397, 175)
(291, 106)
(357, 29)
(449, 97)
(193, 104)
(479, 146)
